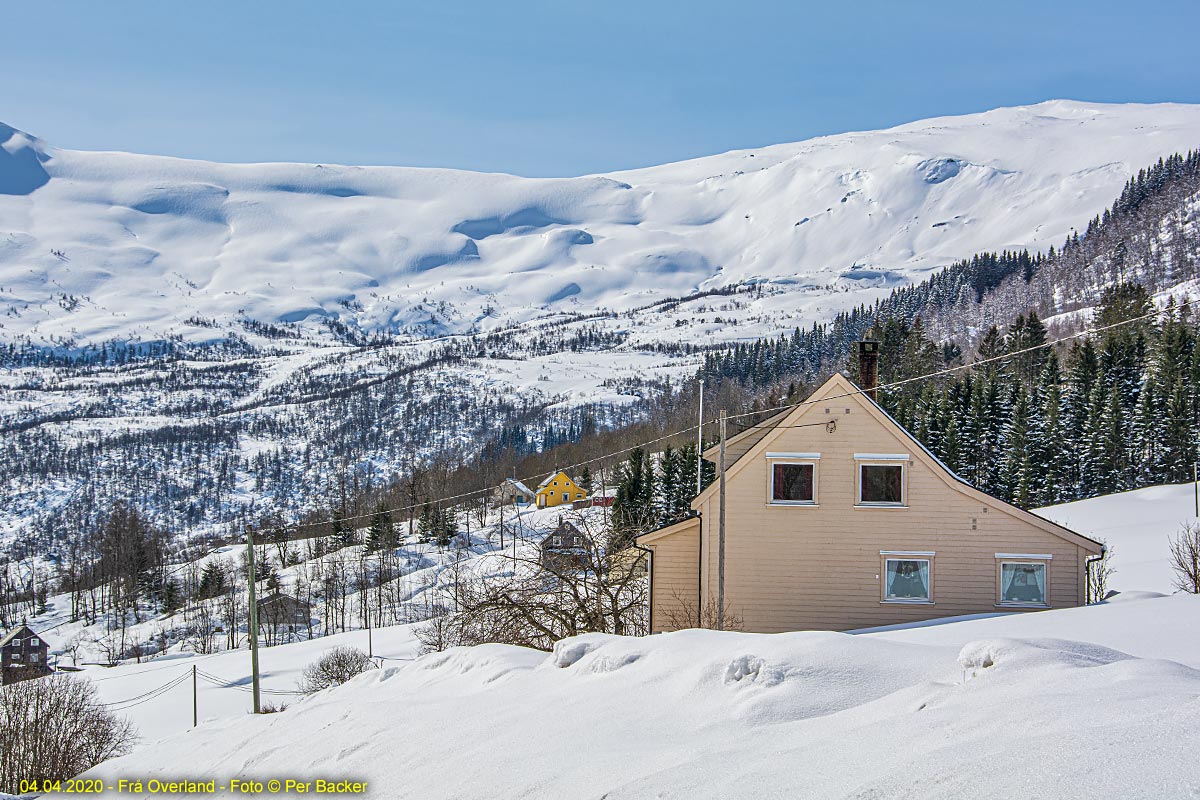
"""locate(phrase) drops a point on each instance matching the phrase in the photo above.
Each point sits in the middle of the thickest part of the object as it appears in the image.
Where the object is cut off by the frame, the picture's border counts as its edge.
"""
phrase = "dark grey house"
(279, 613)
(23, 655)
(565, 548)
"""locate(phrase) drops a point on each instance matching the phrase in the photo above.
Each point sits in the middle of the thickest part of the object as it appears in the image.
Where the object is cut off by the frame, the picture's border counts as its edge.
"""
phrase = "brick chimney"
(868, 367)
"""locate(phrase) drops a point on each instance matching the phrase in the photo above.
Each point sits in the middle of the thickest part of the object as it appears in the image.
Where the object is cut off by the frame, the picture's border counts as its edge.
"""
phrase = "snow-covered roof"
(520, 487)
(551, 477)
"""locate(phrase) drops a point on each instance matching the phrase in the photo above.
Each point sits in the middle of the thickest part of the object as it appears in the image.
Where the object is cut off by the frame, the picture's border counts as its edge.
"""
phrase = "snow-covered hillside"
(99, 246)
(1138, 526)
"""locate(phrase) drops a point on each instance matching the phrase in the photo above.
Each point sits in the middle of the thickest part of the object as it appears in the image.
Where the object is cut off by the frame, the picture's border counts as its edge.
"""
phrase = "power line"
(221, 683)
(145, 697)
(950, 370)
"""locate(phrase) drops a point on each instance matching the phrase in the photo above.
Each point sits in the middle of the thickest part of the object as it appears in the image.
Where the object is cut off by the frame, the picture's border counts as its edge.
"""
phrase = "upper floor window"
(793, 478)
(881, 479)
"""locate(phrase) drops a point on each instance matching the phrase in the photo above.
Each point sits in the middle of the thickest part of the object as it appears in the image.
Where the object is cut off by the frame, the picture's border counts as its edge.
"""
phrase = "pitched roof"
(520, 487)
(552, 476)
(15, 632)
(769, 425)
(687, 523)
(564, 529)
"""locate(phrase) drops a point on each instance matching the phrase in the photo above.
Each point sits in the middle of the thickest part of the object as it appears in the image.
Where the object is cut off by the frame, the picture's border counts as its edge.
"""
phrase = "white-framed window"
(882, 479)
(566, 496)
(1023, 582)
(792, 478)
(908, 578)
(16, 656)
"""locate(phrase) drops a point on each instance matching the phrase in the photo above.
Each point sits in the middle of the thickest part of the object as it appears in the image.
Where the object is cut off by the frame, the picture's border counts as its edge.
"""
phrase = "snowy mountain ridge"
(101, 246)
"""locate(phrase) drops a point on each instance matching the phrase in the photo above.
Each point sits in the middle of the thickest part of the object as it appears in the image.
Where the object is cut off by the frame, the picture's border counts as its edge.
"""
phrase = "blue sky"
(557, 88)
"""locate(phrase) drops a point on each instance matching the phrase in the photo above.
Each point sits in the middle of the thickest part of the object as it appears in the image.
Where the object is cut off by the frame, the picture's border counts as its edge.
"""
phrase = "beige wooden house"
(837, 518)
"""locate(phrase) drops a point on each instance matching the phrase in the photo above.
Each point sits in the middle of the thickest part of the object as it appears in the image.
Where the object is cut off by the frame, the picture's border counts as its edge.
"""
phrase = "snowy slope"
(707, 714)
(101, 245)
(1138, 526)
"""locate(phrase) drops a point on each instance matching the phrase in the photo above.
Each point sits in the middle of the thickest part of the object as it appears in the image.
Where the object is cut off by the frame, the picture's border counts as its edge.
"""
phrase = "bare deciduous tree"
(596, 586)
(334, 668)
(54, 728)
(1099, 570)
(1185, 558)
(688, 612)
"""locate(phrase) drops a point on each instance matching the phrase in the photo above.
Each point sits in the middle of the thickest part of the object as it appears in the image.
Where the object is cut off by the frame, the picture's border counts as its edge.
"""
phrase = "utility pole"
(253, 619)
(195, 706)
(1196, 485)
(721, 535)
(700, 440)
(370, 641)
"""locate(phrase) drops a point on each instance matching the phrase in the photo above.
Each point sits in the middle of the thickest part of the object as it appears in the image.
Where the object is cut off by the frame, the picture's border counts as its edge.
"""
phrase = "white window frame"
(801, 459)
(1042, 561)
(881, 460)
(897, 555)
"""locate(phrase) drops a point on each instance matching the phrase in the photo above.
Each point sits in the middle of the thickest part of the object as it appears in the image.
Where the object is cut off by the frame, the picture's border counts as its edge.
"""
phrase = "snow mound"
(708, 714)
(1010, 654)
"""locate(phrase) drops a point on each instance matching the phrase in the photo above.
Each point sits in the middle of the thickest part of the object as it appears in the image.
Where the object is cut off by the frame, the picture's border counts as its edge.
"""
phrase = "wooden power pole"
(195, 705)
(253, 619)
(721, 534)
(700, 442)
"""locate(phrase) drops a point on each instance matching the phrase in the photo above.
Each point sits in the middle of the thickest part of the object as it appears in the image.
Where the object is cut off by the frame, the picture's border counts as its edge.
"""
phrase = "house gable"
(557, 489)
(848, 397)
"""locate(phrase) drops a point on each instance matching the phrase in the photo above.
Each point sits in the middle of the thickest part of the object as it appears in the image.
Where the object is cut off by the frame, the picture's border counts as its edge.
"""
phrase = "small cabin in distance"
(514, 492)
(23, 655)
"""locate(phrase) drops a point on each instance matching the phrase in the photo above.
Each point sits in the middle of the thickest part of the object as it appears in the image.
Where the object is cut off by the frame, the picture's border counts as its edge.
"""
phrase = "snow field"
(708, 714)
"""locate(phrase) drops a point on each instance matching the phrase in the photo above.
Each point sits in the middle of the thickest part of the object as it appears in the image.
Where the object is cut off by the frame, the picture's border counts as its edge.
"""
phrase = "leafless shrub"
(1099, 571)
(683, 613)
(1185, 558)
(334, 668)
(439, 633)
(270, 708)
(54, 728)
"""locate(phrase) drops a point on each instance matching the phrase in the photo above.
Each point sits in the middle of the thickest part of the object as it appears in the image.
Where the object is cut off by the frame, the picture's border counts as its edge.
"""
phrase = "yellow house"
(558, 489)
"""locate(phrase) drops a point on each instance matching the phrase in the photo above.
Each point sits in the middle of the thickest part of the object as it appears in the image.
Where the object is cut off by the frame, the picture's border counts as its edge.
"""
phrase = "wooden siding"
(675, 583)
(819, 567)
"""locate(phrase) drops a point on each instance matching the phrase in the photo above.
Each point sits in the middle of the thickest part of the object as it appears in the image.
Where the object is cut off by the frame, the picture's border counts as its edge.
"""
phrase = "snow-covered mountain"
(502, 304)
(96, 246)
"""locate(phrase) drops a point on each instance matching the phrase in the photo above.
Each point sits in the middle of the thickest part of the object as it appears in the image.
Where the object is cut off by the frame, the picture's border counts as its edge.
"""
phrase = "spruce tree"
(212, 581)
(381, 533)
(1047, 459)
(172, 597)
(1013, 479)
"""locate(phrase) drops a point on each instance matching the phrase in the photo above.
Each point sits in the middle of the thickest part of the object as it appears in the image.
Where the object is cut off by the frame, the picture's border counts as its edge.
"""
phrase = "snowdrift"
(707, 714)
